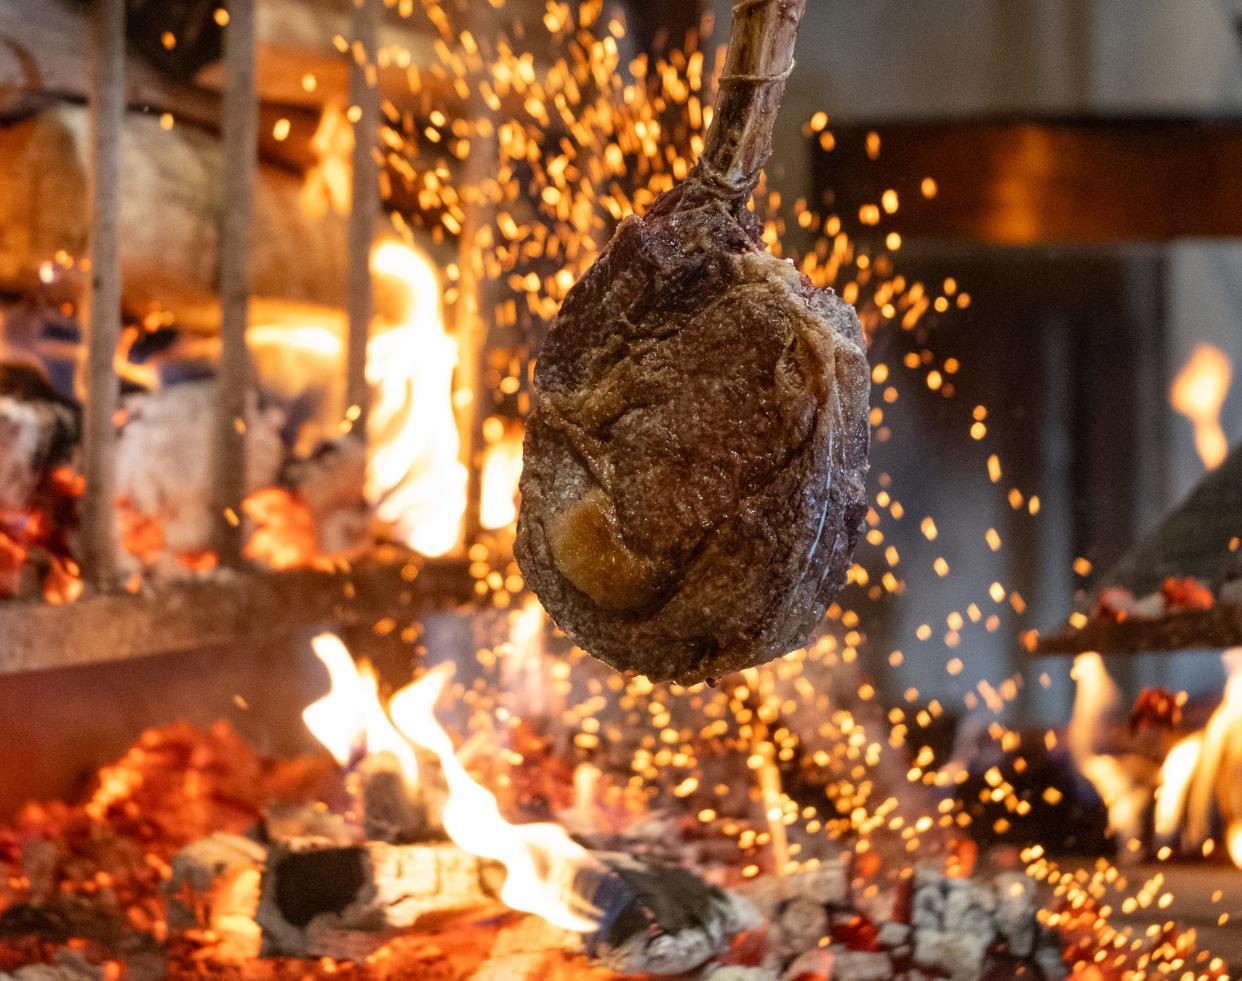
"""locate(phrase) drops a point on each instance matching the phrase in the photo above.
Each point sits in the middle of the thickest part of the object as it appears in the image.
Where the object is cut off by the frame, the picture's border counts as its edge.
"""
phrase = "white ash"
(676, 953)
(957, 927)
(1051, 963)
(894, 936)
(969, 909)
(802, 923)
(861, 965)
(1015, 913)
(1231, 593)
(740, 972)
(954, 953)
(827, 884)
(1150, 607)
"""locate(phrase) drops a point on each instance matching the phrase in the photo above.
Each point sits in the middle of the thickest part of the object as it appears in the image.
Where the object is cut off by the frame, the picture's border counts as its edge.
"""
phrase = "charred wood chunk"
(693, 482)
(165, 467)
(392, 812)
(38, 432)
(656, 918)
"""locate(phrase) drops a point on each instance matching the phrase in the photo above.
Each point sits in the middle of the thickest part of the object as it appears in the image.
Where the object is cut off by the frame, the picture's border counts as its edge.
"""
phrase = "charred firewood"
(320, 899)
(658, 919)
(38, 432)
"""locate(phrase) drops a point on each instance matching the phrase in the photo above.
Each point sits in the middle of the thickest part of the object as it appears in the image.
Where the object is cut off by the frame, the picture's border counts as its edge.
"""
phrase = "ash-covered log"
(321, 899)
(169, 216)
(659, 919)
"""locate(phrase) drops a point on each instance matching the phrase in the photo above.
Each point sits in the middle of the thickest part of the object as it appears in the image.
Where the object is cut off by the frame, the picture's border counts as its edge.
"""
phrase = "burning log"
(320, 899)
(393, 809)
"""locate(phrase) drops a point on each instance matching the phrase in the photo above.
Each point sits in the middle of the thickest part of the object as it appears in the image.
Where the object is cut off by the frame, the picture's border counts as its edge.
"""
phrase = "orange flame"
(1198, 392)
(329, 183)
(1222, 733)
(414, 479)
(1123, 793)
(1175, 776)
(284, 536)
(541, 860)
(350, 720)
(1195, 777)
(1234, 841)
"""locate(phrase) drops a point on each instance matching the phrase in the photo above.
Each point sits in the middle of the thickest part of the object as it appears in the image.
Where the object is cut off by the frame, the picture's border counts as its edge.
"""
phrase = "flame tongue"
(1198, 393)
(1195, 777)
(350, 719)
(414, 477)
(542, 861)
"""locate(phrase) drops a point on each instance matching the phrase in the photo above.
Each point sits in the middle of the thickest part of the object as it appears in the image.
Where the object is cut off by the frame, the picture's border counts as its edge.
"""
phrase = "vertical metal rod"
(364, 97)
(474, 315)
(240, 149)
(102, 316)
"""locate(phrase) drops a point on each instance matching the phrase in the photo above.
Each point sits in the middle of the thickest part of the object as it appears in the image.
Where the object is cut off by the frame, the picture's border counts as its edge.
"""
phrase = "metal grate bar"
(364, 95)
(240, 144)
(98, 383)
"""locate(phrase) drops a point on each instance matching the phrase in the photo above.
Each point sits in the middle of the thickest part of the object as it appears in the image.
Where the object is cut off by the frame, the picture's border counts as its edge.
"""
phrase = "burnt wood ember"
(693, 485)
(38, 431)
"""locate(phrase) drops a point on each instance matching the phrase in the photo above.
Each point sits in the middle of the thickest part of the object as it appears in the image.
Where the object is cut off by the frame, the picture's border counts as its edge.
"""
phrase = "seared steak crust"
(693, 484)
